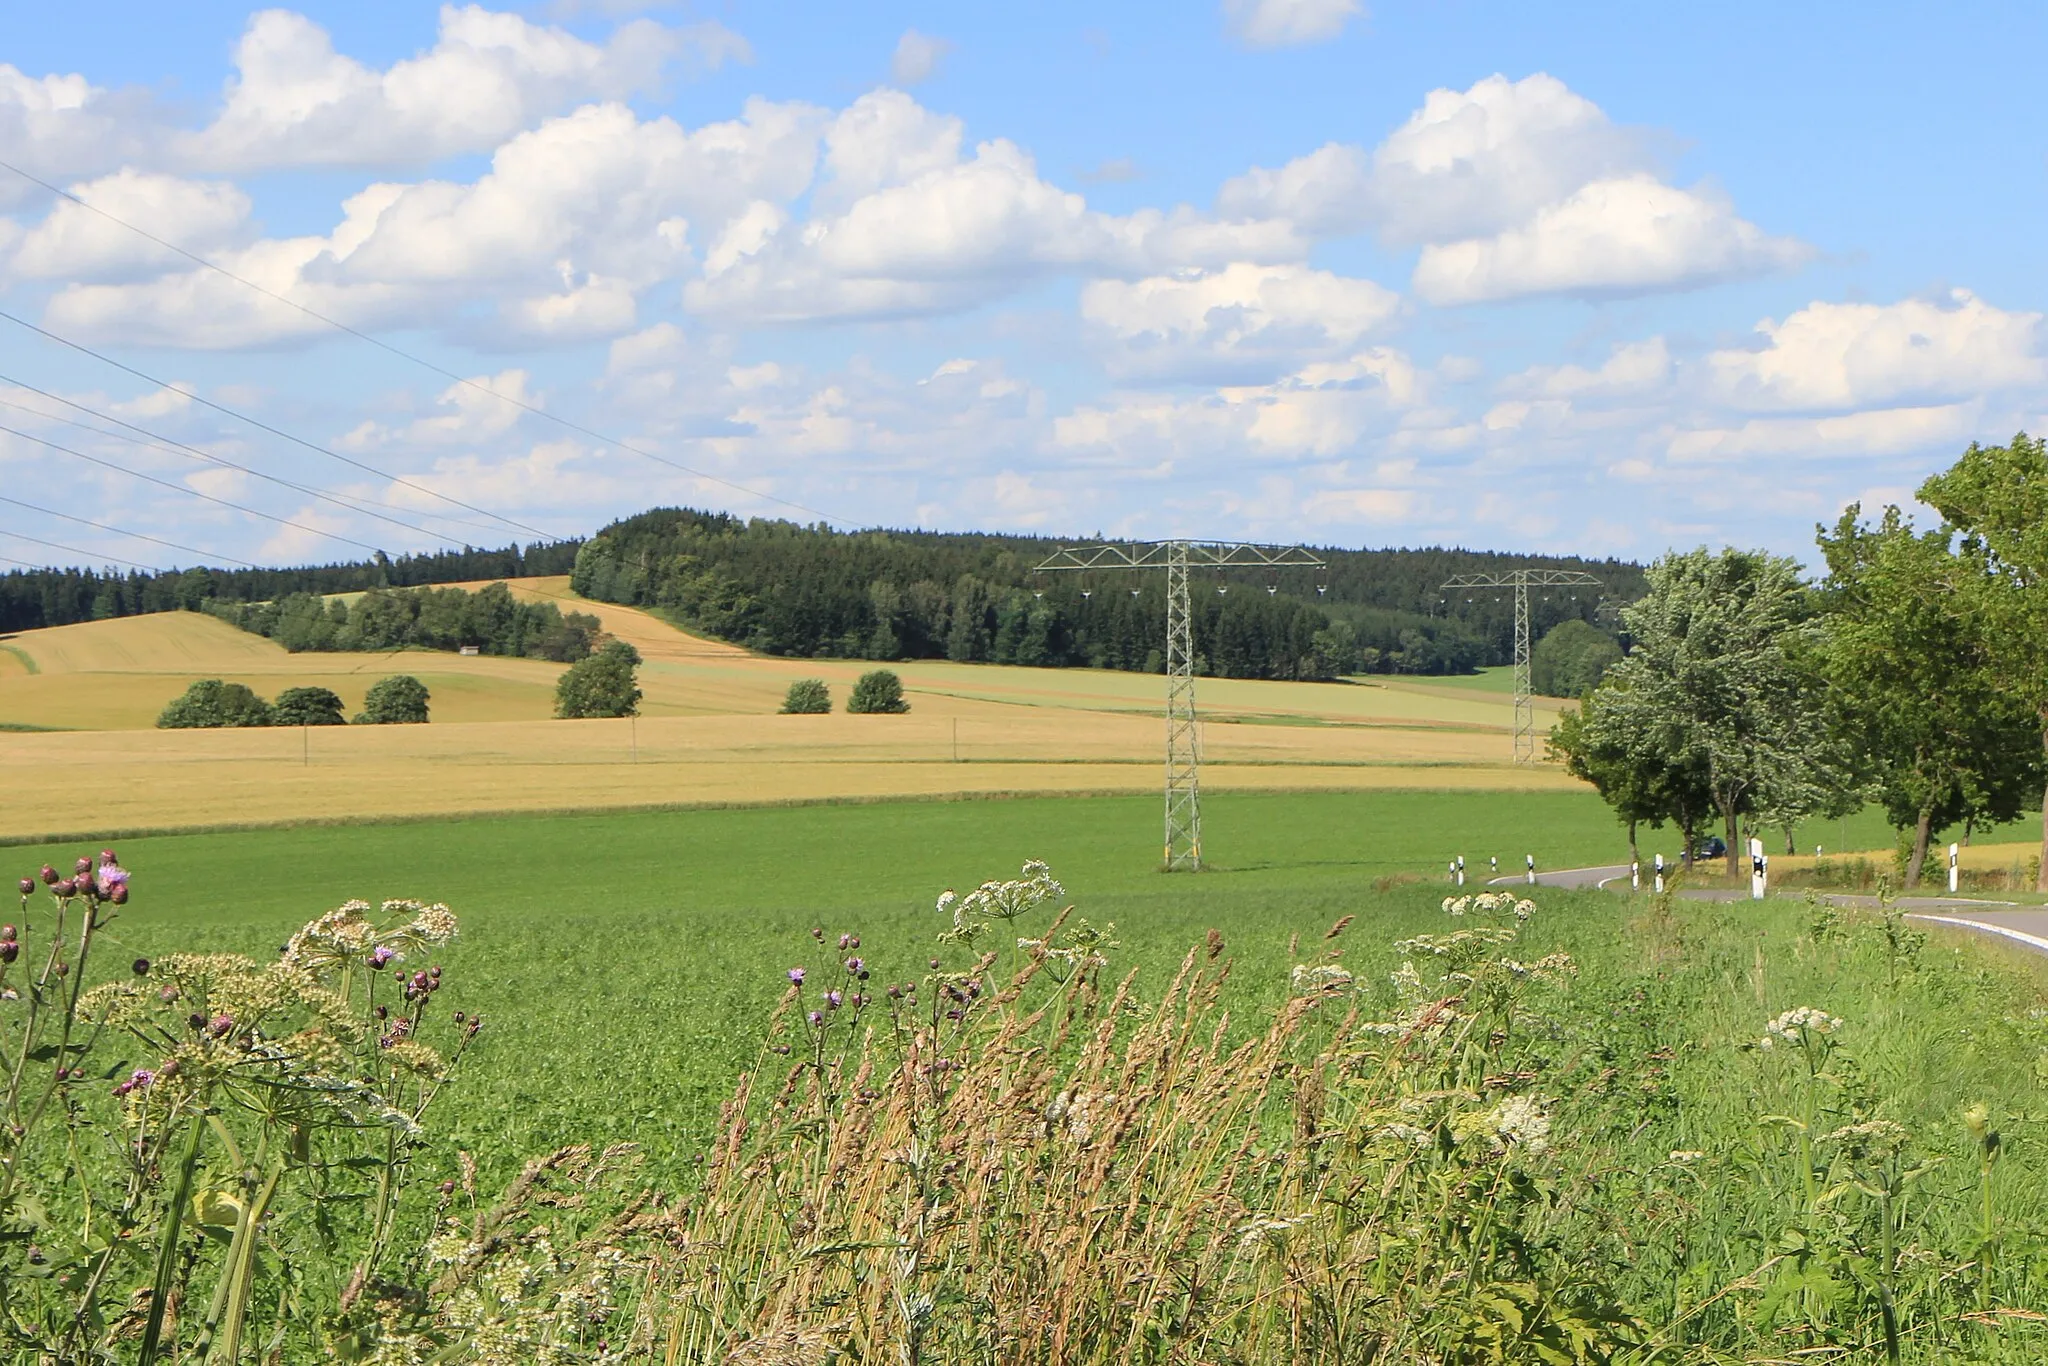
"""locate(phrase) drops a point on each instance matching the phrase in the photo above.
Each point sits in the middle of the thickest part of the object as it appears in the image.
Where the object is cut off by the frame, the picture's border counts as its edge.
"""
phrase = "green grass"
(1499, 678)
(646, 948)
(625, 961)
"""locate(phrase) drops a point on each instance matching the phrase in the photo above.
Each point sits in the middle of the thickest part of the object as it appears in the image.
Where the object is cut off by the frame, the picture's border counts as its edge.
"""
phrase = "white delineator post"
(1635, 875)
(1531, 859)
(1952, 867)
(1660, 874)
(1758, 865)
(1461, 870)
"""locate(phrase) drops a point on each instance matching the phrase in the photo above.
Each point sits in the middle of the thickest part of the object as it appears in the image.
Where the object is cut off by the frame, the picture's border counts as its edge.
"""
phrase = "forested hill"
(786, 589)
(58, 597)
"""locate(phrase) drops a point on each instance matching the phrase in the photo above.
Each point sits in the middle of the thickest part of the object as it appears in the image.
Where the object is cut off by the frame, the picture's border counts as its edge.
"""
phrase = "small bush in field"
(807, 697)
(307, 707)
(878, 691)
(210, 704)
(395, 701)
(604, 685)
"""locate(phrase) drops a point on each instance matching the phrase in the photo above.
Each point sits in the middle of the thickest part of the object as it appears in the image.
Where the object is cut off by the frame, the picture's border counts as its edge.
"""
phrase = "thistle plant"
(204, 1157)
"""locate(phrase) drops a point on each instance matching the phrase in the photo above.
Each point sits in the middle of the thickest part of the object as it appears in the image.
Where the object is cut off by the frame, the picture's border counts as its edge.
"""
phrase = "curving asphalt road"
(2023, 925)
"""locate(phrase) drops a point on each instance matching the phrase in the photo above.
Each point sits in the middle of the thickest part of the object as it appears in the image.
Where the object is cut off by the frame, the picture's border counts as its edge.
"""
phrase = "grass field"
(608, 947)
(708, 733)
(632, 944)
(625, 963)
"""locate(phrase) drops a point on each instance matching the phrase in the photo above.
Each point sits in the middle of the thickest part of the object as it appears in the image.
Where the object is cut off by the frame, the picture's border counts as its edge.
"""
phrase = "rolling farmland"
(86, 697)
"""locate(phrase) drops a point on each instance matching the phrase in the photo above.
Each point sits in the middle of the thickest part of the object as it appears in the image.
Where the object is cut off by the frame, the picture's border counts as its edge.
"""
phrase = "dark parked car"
(1710, 847)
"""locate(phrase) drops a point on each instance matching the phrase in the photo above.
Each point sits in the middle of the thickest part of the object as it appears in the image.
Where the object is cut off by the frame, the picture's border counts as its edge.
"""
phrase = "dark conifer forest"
(785, 589)
(811, 591)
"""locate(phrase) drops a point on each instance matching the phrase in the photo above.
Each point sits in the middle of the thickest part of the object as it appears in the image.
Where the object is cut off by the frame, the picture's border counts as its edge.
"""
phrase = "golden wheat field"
(708, 733)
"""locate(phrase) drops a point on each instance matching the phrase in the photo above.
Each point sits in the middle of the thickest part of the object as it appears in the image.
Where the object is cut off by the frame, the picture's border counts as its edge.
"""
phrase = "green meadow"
(624, 962)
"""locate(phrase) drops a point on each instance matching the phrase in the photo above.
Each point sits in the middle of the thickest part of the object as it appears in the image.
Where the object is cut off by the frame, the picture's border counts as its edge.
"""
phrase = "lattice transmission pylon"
(1183, 844)
(1521, 581)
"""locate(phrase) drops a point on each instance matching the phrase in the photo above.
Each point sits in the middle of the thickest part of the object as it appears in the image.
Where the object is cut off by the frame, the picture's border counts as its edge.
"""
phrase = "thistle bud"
(28, 884)
(141, 966)
(84, 865)
(119, 896)
(6, 931)
(107, 859)
(48, 875)
(9, 950)
(63, 887)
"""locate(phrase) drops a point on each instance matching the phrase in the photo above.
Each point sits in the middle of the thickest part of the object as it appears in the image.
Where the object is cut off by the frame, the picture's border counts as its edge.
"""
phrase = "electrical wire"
(188, 491)
(88, 554)
(279, 432)
(403, 354)
(171, 444)
(118, 531)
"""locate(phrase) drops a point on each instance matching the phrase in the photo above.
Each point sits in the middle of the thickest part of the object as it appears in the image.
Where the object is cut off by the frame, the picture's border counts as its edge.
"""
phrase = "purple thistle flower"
(796, 976)
(816, 1018)
(853, 965)
(381, 955)
(832, 999)
(845, 941)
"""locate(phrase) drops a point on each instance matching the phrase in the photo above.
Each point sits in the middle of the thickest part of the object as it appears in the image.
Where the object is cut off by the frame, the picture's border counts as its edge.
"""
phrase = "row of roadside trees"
(1914, 673)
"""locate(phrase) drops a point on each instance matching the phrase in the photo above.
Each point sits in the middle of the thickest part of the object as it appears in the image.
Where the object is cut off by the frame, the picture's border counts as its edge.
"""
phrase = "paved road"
(2006, 920)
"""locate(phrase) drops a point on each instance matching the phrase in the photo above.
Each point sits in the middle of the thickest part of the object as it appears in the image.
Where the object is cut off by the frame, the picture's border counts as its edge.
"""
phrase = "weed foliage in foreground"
(1693, 1152)
(1021, 1158)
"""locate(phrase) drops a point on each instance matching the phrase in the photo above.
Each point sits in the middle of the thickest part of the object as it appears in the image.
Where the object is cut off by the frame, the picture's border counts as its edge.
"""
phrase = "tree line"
(35, 598)
(491, 620)
(211, 704)
(1912, 673)
(810, 591)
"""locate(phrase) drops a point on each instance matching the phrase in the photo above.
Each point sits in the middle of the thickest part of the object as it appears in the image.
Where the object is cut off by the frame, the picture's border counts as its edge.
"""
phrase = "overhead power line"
(155, 439)
(279, 432)
(118, 531)
(421, 361)
(88, 554)
(189, 492)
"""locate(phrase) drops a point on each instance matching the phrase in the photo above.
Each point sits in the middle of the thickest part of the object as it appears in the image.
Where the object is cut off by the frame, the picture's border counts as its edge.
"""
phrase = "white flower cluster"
(1002, 900)
(1073, 1115)
(1799, 1024)
(1521, 1120)
(1256, 1235)
(1319, 979)
(1490, 901)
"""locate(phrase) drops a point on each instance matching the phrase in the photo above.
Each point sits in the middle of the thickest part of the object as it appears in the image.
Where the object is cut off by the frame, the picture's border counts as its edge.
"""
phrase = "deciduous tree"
(1995, 498)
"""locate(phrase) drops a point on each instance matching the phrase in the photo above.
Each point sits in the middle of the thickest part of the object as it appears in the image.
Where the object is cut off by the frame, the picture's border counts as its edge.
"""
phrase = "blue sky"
(1592, 278)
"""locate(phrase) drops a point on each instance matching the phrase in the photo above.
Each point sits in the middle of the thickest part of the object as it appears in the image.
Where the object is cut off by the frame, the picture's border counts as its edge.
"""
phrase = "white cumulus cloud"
(1626, 236)
(1288, 23)
(73, 242)
(1242, 322)
(295, 101)
(1834, 356)
(917, 57)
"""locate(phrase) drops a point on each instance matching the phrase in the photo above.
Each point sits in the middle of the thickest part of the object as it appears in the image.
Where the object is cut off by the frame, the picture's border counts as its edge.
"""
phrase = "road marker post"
(1758, 869)
(1660, 875)
(1635, 875)
(1532, 868)
(1461, 870)
(1952, 867)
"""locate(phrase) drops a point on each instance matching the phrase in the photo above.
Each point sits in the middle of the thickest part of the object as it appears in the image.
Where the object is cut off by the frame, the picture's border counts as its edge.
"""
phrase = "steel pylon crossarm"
(1183, 844)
